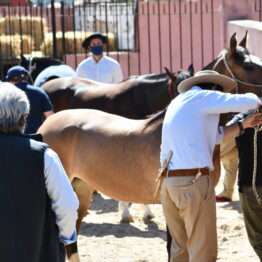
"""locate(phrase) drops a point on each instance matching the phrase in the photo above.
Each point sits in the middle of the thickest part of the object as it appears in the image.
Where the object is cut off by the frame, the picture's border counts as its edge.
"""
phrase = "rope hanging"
(255, 166)
(257, 129)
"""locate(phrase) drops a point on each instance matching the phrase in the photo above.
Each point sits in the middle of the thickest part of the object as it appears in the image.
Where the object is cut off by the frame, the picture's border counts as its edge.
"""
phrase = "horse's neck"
(211, 65)
(158, 95)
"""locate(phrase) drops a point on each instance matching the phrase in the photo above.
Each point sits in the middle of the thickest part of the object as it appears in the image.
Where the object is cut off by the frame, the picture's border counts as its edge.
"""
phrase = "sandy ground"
(104, 239)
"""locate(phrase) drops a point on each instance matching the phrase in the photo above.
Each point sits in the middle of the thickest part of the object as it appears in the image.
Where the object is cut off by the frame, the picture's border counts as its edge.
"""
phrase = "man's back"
(39, 103)
(28, 229)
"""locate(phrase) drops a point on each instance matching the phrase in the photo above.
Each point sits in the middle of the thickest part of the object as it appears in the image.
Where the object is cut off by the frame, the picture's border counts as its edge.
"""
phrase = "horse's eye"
(248, 66)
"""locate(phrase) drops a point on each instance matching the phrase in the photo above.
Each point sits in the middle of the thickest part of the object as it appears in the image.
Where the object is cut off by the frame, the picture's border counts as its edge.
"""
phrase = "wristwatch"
(241, 128)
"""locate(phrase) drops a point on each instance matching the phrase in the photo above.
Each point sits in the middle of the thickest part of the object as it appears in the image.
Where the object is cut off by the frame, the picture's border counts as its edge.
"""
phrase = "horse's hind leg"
(148, 215)
(72, 253)
(84, 194)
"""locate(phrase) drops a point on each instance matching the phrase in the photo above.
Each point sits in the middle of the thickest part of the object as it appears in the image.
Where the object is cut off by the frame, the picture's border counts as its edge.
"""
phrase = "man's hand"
(252, 120)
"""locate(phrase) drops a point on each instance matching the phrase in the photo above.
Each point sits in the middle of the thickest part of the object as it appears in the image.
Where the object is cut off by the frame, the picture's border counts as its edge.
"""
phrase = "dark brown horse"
(134, 98)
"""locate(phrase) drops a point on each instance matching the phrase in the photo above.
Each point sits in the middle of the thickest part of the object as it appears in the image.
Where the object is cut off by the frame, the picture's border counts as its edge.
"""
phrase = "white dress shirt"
(190, 127)
(64, 201)
(106, 70)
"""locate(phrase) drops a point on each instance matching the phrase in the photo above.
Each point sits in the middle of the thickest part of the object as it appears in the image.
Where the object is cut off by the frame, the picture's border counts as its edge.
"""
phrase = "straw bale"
(34, 26)
(73, 42)
(10, 45)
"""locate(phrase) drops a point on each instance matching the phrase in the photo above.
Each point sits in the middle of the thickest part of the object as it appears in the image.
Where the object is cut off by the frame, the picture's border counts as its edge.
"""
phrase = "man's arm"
(63, 198)
(118, 75)
(234, 129)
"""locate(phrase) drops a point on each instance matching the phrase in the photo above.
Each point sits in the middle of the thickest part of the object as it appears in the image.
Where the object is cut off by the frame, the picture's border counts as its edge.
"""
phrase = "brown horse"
(134, 98)
(237, 62)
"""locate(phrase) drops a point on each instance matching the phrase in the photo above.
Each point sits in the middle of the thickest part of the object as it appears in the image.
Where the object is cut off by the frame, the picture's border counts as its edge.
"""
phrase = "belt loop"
(167, 171)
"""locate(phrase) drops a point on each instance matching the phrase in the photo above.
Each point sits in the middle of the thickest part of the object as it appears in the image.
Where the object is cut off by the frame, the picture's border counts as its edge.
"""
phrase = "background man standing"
(99, 67)
(40, 105)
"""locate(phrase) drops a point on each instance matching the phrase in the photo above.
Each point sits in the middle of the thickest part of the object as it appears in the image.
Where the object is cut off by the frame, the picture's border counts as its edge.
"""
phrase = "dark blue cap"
(15, 71)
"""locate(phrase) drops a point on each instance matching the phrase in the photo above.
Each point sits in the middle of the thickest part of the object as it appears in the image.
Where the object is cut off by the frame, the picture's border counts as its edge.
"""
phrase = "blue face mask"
(97, 49)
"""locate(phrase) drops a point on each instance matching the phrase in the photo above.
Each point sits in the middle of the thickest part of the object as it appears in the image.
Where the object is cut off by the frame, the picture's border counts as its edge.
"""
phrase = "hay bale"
(14, 45)
(73, 42)
(35, 27)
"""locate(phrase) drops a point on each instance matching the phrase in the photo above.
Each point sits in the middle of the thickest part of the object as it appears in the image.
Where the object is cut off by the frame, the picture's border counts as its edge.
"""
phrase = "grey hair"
(14, 108)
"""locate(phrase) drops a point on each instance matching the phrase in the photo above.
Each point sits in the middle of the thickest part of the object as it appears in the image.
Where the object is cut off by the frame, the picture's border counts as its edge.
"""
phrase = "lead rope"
(254, 177)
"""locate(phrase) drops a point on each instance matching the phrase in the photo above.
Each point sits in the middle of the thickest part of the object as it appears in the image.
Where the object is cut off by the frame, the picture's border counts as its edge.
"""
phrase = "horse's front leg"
(123, 207)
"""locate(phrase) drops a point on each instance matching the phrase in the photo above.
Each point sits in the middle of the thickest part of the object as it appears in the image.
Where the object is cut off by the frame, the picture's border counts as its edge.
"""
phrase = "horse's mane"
(155, 117)
(160, 76)
(211, 65)
(47, 61)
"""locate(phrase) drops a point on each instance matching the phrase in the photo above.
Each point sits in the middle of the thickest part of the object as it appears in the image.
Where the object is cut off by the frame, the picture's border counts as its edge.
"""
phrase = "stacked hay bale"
(73, 42)
(13, 45)
(30, 31)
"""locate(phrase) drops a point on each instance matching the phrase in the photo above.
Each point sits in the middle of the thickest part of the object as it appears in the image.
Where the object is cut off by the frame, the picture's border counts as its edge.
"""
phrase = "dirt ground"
(104, 239)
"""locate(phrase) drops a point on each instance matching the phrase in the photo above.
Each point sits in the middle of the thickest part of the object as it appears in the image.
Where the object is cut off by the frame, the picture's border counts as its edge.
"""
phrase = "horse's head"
(177, 78)
(237, 63)
(35, 65)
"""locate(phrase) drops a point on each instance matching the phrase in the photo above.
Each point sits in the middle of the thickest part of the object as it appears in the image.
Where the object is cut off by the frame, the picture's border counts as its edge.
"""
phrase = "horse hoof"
(148, 217)
(127, 219)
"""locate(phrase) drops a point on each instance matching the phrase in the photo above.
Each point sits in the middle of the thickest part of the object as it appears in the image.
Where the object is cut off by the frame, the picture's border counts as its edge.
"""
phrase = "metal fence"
(144, 36)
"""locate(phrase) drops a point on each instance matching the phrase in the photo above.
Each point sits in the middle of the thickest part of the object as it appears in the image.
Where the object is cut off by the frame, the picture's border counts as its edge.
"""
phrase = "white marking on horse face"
(256, 60)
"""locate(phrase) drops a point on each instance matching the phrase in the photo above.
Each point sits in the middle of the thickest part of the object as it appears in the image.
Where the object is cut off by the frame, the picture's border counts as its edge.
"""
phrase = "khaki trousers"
(229, 159)
(190, 212)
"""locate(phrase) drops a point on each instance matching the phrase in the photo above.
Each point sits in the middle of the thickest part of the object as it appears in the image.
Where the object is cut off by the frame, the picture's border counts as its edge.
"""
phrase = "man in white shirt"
(190, 132)
(99, 67)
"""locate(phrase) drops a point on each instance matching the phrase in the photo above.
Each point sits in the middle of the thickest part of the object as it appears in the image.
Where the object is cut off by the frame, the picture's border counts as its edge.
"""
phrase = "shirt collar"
(94, 61)
(196, 88)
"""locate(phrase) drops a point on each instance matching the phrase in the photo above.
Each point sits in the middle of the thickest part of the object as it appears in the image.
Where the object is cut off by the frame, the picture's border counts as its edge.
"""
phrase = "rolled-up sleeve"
(63, 198)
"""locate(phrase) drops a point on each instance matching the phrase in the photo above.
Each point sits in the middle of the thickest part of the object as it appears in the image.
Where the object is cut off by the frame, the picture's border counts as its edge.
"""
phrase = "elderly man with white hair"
(39, 206)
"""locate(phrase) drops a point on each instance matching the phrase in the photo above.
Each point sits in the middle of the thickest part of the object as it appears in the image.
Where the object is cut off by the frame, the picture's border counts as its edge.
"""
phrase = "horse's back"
(94, 145)
(95, 119)
(53, 72)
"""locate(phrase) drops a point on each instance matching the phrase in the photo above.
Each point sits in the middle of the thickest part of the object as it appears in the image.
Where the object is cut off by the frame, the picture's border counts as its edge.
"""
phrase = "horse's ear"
(170, 75)
(243, 42)
(22, 60)
(233, 44)
(191, 70)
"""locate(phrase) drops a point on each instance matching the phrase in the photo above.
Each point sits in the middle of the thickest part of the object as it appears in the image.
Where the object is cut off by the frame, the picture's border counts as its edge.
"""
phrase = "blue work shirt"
(39, 103)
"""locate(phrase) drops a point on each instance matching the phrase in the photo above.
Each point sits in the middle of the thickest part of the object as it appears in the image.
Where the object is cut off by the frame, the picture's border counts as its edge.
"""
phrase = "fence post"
(53, 18)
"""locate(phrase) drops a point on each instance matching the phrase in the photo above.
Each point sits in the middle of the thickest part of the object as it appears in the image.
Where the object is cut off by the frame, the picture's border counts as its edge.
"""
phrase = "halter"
(255, 128)
(234, 76)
